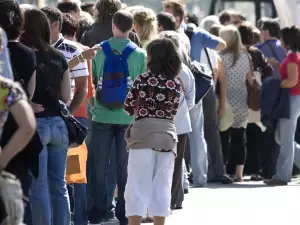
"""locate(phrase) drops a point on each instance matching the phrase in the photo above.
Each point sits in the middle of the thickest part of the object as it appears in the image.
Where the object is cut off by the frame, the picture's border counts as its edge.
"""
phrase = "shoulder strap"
(59, 42)
(250, 61)
(106, 48)
(208, 59)
(189, 32)
(273, 51)
(131, 46)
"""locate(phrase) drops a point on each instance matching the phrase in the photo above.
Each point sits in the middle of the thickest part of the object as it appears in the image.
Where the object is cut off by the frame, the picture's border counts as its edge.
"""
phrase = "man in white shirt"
(79, 74)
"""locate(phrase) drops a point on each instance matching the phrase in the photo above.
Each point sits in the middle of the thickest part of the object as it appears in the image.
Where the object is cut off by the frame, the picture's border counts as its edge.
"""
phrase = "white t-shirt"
(70, 49)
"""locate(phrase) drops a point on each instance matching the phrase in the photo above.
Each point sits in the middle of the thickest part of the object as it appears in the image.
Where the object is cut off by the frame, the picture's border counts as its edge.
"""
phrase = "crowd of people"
(127, 75)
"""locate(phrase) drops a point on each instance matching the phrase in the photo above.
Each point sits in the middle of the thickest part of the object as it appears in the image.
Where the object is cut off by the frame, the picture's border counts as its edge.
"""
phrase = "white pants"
(149, 182)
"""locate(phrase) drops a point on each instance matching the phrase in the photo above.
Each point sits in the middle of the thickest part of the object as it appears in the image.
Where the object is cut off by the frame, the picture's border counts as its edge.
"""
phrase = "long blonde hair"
(147, 25)
(133, 9)
(231, 35)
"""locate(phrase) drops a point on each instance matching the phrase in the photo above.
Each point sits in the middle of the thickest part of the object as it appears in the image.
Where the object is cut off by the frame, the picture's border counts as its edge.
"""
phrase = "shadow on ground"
(245, 184)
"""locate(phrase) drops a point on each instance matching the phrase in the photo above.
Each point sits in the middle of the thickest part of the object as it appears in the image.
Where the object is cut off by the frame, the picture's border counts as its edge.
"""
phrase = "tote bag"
(76, 165)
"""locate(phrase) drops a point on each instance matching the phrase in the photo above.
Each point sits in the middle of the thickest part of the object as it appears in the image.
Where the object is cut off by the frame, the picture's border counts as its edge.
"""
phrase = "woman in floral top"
(151, 138)
(153, 96)
(13, 99)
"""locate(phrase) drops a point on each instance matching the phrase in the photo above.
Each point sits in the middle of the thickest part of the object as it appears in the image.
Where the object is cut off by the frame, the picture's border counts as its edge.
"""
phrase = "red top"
(291, 58)
(81, 111)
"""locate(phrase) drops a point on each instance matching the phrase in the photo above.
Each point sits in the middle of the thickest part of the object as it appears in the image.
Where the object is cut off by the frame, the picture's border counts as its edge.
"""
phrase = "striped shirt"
(70, 50)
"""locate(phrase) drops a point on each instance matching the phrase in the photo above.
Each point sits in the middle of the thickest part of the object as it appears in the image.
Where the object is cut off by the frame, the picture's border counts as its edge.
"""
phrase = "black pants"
(233, 146)
(177, 184)
(269, 154)
(187, 156)
(255, 138)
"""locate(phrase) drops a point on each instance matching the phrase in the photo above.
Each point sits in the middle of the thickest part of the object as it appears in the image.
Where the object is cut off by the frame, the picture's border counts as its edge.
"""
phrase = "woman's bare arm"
(221, 77)
(293, 75)
(65, 87)
(25, 120)
(31, 86)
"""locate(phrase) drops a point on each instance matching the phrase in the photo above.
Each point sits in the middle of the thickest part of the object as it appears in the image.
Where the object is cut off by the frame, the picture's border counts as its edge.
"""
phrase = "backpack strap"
(189, 31)
(106, 48)
(131, 46)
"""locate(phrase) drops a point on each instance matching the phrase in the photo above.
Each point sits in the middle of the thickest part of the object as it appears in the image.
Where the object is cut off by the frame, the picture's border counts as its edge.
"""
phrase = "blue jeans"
(49, 195)
(112, 168)
(289, 150)
(101, 145)
(198, 147)
(78, 196)
(111, 181)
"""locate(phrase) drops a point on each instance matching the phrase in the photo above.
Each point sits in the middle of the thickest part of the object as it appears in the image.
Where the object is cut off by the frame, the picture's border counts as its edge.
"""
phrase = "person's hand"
(221, 111)
(273, 62)
(37, 108)
(91, 53)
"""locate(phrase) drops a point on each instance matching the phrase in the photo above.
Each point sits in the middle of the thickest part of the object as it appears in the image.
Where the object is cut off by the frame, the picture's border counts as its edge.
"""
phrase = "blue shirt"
(268, 53)
(202, 39)
(5, 66)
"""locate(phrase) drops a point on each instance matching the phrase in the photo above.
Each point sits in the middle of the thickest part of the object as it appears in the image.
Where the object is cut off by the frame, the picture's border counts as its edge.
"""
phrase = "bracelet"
(83, 59)
(78, 59)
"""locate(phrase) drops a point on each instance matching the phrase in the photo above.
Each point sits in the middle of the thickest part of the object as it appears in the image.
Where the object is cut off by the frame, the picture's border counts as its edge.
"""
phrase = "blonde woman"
(145, 25)
(133, 9)
(237, 69)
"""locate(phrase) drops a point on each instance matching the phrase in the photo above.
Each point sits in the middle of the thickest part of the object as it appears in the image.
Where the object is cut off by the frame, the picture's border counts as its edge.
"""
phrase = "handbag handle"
(251, 70)
(251, 62)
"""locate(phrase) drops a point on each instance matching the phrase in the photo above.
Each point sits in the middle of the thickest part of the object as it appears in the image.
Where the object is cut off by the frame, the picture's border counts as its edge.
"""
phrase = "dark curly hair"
(11, 19)
(291, 38)
(163, 58)
(105, 9)
(70, 25)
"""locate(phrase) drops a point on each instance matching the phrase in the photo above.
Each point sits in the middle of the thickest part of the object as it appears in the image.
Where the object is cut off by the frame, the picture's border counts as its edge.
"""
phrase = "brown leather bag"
(254, 89)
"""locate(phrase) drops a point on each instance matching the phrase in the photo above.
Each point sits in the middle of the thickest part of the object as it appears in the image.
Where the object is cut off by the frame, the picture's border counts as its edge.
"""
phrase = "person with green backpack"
(114, 70)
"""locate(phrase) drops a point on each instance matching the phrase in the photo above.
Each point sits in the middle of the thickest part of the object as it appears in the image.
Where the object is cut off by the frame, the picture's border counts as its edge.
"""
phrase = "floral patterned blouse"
(153, 96)
(10, 93)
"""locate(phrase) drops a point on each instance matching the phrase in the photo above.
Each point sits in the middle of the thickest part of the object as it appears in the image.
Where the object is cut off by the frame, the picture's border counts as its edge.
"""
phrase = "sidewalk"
(249, 203)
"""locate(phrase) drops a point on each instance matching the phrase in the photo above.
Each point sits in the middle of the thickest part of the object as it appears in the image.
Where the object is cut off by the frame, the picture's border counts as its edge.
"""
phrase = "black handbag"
(203, 80)
(203, 77)
(76, 131)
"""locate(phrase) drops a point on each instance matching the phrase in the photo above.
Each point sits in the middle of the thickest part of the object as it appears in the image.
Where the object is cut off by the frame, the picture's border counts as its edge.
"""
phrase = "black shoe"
(272, 182)
(225, 179)
(110, 217)
(190, 177)
(186, 191)
(256, 177)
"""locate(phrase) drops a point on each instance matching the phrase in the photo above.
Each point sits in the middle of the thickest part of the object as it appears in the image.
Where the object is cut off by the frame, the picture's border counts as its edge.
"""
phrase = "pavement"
(248, 203)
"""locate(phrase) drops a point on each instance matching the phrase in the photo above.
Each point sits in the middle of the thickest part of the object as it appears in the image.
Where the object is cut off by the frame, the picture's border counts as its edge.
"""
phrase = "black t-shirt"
(53, 66)
(23, 62)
